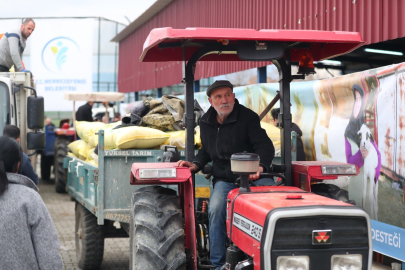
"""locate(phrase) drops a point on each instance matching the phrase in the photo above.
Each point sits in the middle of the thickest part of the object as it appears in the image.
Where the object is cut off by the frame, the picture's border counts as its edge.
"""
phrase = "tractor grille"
(296, 233)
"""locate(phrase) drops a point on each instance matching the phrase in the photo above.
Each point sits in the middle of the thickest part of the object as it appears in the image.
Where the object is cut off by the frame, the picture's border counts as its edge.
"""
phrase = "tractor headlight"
(339, 169)
(347, 262)
(157, 173)
(293, 263)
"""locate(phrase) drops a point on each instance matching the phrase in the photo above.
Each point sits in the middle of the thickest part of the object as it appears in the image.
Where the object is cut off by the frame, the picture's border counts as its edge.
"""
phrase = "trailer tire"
(46, 164)
(61, 145)
(89, 239)
(156, 230)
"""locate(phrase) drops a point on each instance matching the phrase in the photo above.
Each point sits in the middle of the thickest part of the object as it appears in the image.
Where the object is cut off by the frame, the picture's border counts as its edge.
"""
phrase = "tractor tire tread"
(157, 236)
(92, 242)
(60, 172)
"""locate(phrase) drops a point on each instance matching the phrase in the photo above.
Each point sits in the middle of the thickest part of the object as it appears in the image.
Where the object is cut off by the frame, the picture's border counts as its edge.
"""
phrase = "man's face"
(26, 30)
(223, 100)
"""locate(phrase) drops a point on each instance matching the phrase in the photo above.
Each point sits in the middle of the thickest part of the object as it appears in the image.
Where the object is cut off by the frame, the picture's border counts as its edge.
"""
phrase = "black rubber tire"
(157, 237)
(89, 239)
(46, 163)
(61, 150)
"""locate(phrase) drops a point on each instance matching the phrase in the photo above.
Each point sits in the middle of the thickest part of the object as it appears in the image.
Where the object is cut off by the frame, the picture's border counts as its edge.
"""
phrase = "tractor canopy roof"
(166, 44)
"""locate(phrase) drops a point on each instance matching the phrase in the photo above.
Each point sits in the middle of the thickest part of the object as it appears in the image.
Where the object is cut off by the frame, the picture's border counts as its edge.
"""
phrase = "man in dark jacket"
(300, 146)
(26, 166)
(84, 112)
(227, 128)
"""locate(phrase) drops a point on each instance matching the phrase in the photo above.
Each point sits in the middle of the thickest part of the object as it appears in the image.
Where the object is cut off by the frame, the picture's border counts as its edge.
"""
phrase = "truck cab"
(20, 106)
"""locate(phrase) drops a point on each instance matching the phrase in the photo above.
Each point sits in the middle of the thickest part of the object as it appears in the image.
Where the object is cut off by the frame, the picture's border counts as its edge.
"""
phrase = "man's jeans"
(217, 218)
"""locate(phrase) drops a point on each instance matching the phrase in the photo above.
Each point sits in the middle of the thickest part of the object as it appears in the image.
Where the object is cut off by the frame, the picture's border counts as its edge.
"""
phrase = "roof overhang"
(138, 22)
(166, 44)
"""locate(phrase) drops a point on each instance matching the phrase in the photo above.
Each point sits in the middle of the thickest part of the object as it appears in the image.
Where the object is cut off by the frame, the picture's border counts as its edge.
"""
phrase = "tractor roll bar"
(284, 68)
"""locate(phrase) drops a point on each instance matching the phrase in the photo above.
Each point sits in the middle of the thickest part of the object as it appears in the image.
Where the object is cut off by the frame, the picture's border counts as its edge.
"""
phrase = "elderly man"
(12, 46)
(227, 128)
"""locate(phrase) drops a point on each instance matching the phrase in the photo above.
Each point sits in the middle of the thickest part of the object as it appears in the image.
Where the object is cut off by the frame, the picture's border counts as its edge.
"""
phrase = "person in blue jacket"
(26, 166)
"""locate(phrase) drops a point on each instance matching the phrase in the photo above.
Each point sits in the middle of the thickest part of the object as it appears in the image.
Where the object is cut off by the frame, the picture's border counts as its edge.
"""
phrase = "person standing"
(26, 168)
(28, 236)
(294, 127)
(12, 46)
(84, 112)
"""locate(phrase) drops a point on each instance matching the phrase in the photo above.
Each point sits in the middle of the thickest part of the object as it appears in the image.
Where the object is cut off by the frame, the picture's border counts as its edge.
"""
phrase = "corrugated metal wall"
(376, 20)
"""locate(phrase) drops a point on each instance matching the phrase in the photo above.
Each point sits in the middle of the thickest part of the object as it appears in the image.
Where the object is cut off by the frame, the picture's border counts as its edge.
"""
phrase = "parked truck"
(20, 106)
(163, 208)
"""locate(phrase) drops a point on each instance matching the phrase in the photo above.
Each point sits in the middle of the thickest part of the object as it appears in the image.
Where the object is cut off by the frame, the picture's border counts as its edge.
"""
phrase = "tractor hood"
(252, 218)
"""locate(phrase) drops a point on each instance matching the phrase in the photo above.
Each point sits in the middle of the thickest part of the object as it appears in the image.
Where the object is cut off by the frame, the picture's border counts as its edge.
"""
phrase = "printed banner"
(387, 240)
(61, 60)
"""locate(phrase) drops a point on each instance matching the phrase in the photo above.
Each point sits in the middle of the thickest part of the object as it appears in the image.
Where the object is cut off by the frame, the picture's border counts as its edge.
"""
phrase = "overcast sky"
(111, 9)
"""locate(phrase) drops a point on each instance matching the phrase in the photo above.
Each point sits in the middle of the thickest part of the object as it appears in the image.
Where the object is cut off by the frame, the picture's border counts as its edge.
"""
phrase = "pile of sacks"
(149, 125)
(137, 137)
(128, 137)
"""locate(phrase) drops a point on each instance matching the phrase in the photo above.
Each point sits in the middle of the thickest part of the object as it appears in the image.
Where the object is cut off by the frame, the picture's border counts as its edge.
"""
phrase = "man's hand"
(256, 176)
(364, 152)
(183, 163)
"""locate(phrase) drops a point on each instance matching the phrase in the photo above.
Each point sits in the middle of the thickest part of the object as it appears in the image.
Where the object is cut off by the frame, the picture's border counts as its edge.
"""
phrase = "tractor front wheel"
(156, 232)
(61, 145)
(89, 239)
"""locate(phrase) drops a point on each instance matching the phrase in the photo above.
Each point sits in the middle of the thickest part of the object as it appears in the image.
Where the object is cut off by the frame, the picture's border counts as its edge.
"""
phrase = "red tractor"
(274, 227)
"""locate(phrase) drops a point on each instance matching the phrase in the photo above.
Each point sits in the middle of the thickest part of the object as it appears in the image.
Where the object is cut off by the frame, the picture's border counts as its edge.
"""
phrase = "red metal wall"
(376, 20)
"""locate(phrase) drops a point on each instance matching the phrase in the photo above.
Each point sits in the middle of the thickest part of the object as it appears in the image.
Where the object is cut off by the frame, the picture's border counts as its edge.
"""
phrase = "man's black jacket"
(84, 113)
(241, 131)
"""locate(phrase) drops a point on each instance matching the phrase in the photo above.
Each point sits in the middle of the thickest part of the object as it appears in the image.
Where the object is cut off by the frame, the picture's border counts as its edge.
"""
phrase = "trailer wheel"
(60, 173)
(89, 239)
(156, 231)
(46, 163)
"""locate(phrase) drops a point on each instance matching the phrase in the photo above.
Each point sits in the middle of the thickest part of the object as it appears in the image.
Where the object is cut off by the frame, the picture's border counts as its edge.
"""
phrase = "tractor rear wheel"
(61, 145)
(89, 239)
(156, 230)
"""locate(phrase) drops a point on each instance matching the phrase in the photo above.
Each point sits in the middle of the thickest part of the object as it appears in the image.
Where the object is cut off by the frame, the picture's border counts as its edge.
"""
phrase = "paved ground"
(116, 250)
(62, 210)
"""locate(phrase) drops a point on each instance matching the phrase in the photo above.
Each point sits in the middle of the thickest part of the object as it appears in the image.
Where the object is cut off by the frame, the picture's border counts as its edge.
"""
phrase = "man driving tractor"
(227, 128)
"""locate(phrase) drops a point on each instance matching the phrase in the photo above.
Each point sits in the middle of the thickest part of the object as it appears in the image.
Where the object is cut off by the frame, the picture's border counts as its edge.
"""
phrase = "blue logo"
(61, 54)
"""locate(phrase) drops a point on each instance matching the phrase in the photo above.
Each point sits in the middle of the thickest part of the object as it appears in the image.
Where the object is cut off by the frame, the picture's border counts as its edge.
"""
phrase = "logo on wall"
(61, 54)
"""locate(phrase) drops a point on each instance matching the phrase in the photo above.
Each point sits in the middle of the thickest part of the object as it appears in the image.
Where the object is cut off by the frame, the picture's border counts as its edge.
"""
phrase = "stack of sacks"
(87, 129)
(132, 137)
(178, 139)
(79, 149)
(93, 141)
